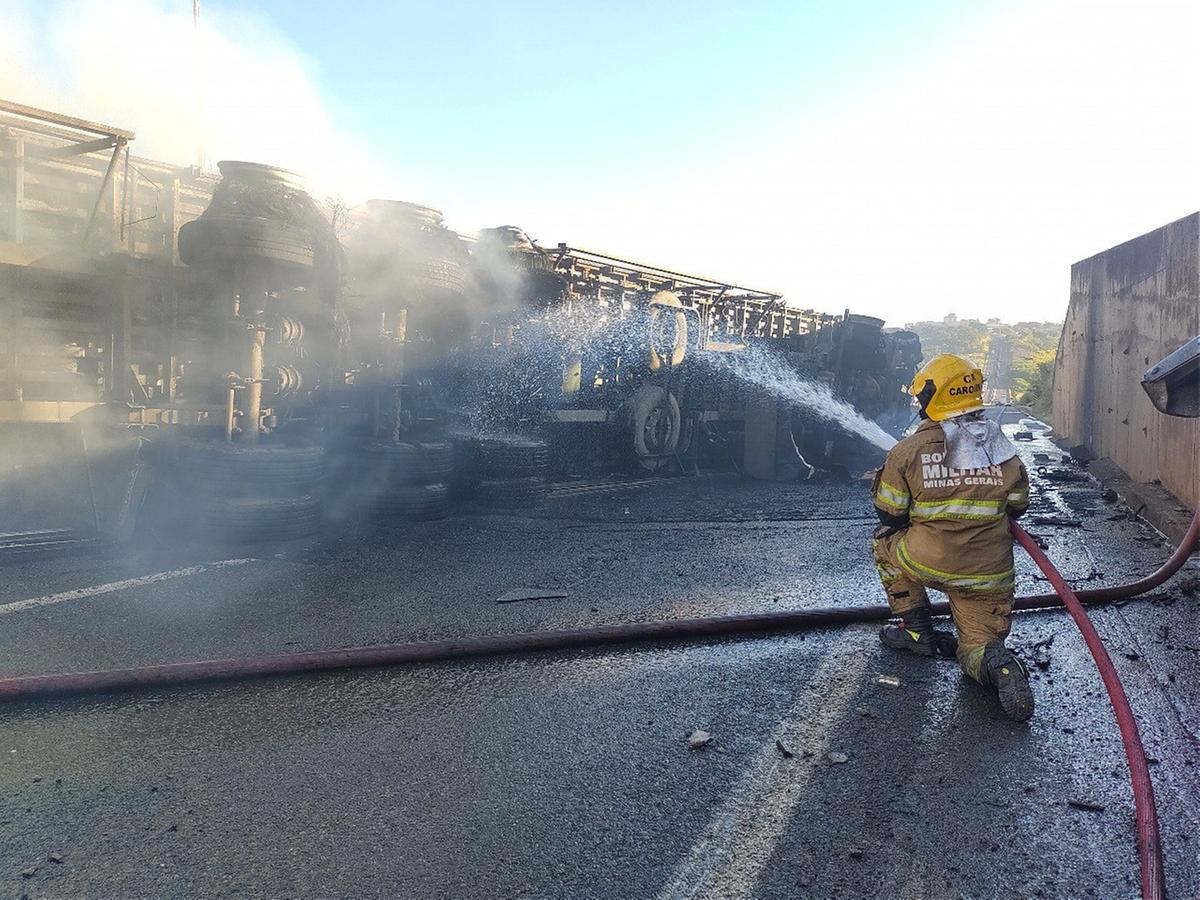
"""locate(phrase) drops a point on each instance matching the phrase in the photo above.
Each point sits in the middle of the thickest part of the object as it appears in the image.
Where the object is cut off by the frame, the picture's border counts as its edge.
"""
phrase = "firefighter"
(944, 497)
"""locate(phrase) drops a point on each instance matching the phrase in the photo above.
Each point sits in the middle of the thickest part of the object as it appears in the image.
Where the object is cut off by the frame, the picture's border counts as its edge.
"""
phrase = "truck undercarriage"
(250, 367)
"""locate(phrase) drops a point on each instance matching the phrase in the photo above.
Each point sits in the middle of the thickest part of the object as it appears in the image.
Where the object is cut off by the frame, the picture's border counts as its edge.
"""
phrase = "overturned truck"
(613, 363)
(225, 356)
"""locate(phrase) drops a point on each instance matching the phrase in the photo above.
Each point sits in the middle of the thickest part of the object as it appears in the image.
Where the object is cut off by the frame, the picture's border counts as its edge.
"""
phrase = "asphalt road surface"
(570, 775)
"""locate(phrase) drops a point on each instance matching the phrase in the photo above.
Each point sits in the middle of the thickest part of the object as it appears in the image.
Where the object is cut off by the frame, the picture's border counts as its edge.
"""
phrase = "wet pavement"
(569, 775)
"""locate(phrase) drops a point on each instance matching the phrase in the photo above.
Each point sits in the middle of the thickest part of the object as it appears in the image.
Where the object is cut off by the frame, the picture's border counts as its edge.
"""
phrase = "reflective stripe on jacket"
(957, 533)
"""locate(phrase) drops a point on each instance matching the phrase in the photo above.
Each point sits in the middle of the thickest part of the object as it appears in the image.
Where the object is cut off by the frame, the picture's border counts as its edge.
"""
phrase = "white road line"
(729, 857)
(83, 592)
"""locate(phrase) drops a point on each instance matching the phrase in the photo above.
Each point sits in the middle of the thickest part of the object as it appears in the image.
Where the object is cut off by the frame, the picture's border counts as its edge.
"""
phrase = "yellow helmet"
(948, 386)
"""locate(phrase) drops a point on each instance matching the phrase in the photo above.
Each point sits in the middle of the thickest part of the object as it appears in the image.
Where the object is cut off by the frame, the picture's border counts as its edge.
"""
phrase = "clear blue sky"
(579, 88)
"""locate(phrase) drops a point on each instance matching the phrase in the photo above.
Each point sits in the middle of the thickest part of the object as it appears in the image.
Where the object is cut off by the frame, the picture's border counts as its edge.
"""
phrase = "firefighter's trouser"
(980, 617)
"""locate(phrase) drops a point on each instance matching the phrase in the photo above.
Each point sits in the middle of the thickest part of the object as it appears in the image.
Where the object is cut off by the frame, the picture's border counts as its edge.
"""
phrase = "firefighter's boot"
(1001, 670)
(916, 634)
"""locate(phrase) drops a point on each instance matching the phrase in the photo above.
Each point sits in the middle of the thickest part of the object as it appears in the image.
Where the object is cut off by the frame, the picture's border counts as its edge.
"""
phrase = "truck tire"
(511, 493)
(438, 276)
(254, 519)
(439, 459)
(665, 304)
(247, 470)
(514, 458)
(653, 420)
(412, 502)
(215, 241)
(466, 450)
(397, 462)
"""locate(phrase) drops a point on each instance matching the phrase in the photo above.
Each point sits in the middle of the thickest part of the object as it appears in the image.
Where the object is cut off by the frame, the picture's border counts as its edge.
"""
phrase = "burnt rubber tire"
(439, 459)
(466, 450)
(220, 239)
(252, 519)
(247, 470)
(519, 458)
(412, 502)
(653, 424)
(511, 493)
(438, 275)
(393, 463)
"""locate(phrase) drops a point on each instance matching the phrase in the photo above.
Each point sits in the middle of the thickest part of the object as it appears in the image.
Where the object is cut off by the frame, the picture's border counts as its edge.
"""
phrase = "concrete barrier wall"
(1131, 306)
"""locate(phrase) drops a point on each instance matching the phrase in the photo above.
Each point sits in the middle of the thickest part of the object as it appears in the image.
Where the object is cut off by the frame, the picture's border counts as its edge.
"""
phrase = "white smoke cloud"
(229, 89)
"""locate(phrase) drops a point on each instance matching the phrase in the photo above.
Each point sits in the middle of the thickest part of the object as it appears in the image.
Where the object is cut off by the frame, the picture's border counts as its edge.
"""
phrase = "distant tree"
(1026, 369)
(1038, 394)
(1032, 344)
(963, 338)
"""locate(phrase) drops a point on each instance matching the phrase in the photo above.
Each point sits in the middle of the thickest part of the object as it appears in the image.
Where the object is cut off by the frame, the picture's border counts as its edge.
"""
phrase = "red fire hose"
(31, 686)
(1148, 840)
(1187, 546)
(28, 687)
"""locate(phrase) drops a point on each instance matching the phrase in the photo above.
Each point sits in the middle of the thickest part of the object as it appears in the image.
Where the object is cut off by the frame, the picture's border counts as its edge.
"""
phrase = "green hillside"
(1033, 346)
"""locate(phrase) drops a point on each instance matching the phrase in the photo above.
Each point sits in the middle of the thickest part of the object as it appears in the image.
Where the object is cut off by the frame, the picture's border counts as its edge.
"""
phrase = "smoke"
(230, 88)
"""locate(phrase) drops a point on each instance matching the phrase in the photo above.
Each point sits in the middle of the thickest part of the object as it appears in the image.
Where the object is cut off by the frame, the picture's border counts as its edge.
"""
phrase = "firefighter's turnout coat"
(956, 535)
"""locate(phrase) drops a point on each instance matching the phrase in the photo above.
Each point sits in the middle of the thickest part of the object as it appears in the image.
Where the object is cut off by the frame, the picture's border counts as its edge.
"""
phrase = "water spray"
(768, 371)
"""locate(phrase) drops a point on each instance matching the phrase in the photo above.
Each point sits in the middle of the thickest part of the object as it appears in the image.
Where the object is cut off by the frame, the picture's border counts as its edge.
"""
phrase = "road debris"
(698, 738)
(1040, 652)
(836, 758)
(1061, 474)
(56, 858)
(1044, 544)
(856, 853)
(1190, 585)
(1060, 521)
(1086, 805)
(889, 680)
(783, 750)
(1082, 454)
(30, 872)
